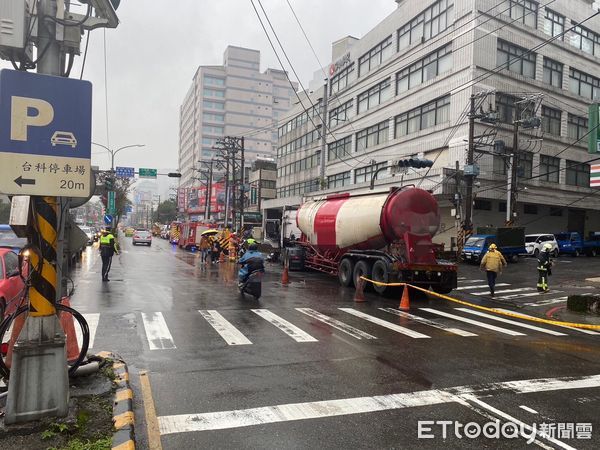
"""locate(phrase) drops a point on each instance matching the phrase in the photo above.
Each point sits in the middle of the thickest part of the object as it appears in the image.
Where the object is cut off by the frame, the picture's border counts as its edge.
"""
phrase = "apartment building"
(404, 90)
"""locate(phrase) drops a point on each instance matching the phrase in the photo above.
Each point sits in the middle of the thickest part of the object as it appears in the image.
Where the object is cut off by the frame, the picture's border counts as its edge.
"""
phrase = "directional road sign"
(125, 172)
(147, 173)
(110, 207)
(45, 135)
(108, 219)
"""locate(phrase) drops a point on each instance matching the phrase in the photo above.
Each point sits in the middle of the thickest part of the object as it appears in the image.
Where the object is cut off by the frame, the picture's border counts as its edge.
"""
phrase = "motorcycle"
(253, 284)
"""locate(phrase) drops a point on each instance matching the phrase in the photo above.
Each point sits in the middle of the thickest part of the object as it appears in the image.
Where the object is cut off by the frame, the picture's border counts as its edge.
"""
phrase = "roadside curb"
(123, 416)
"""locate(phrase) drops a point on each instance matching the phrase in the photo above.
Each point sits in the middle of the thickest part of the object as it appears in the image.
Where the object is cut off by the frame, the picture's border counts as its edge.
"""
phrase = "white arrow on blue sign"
(108, 219)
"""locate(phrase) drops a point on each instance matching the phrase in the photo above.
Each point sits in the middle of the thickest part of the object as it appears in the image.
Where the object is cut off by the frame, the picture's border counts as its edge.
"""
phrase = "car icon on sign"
(63, 138)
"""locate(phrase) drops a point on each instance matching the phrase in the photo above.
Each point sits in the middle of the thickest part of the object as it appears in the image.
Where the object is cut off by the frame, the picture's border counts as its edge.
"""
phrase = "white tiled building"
(233, 99)
(404, 90)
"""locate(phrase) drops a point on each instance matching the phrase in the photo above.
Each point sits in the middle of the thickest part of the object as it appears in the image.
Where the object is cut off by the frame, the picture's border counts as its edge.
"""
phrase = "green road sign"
(147, 173)
(594, 128)
(110, 207)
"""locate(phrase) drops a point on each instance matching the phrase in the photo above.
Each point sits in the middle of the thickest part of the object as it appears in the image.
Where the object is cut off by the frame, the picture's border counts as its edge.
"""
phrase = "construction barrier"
(585, 326)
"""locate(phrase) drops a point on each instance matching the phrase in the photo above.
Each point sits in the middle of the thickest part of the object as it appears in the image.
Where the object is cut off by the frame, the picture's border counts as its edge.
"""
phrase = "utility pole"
(208, 193)
(460, 240)
(242, 181)
(468, 220)
(227, 189)
(324, 134)
(511, 195)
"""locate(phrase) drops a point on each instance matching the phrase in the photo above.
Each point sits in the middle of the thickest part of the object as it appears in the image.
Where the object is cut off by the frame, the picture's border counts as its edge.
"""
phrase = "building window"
(551, 120)
(553, 72)
(556, 211)
(213, 105)
(554, 24)
(586, 40)
(341, 79)
(374, 96)
(213, 93)
(581, 83)
(212, 130)
(426, 116)
(499, 165)
(505, 106)
(549, 168)
(338, 180)
(214, 81)
(339, 149)
(524, 11)
(340, 114)
(516, 59)
(525, 164)
(300, 119)
(208, 117)
(578, 127)
(578, 174)
(300, 165)
(372, 136)
(375, 56)
(431, 22)
(298, 143)
(483, 205)
(530, 209)
(365, 174)
(502, 207)
(424, 70)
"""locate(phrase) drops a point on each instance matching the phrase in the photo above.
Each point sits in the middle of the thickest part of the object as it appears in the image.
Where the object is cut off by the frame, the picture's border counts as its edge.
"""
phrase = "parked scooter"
(253, 284)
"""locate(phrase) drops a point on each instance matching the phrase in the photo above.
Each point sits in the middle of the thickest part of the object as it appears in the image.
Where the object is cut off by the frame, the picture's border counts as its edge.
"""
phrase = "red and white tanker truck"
(384, 236)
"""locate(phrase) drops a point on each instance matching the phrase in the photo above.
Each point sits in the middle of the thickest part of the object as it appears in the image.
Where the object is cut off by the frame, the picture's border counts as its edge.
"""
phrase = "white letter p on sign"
(20, 118)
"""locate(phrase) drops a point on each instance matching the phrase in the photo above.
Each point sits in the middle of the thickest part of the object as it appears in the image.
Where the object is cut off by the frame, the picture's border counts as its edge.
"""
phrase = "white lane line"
(505, 291)
(479, 286)
(530, 294)
(291, 330)
(228, 332)
(431, 323)
(157, 332)
(386, 324)
(528, 409)
(331, 408)
(582, 330)
(552, 301)
(354, 332)
(516, 421)
(92, 321)
(512, 322)
(473, 322)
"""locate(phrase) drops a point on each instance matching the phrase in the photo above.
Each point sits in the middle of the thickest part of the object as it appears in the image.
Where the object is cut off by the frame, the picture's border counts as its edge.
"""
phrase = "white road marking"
(291, 330)
(431, 323)
(92, 320)
(221, 420)
(461, 278)
(473, 322)
(528, 409)
(386, 324)
(479, 286)
(228, 332)
(582, 330)
(551, 301)
(512, 322)
(157, 332)
(505, 291)
(465, 281)
(529, 294)
(354, 332)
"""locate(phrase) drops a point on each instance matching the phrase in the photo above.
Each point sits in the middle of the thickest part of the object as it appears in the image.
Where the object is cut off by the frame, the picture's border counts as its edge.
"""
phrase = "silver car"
(141, 237)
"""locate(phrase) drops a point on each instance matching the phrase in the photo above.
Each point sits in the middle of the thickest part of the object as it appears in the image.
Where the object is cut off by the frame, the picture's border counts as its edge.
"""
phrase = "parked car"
(8, 238)
(11, 284)
(142, 237)
(89, 233)
(534, 244)
(573, 243)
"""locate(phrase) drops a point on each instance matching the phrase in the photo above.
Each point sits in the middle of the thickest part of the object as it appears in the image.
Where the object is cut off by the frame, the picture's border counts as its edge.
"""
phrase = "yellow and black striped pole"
(42, 294)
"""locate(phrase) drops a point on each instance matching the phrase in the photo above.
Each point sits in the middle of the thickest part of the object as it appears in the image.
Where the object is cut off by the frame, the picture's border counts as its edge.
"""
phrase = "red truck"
(383, 236)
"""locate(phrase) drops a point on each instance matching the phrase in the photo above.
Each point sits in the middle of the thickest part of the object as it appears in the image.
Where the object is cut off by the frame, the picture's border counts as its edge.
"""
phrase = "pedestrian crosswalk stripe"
(157, 332)
(464, 281)
(546, 302)
(505, 291)
(581, 330)
(291, 330)
(348, 329)
(461, 278)
(479, 286)
(473, 322)
(431, 323)
(528, 294)
(92, 321)
(228, 332)
(386, 324)
(512, 322)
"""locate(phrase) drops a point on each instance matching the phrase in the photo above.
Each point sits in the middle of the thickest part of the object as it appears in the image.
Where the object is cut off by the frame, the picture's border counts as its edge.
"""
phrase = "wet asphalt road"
(221, 373)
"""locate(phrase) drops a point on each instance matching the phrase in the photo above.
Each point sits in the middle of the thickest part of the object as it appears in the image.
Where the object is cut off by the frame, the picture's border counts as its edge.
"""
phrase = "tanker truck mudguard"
(385, 237)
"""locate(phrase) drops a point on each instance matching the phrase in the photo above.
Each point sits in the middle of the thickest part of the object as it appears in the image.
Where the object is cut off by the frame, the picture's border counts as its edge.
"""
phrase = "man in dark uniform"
(544, 267)
(108, 247)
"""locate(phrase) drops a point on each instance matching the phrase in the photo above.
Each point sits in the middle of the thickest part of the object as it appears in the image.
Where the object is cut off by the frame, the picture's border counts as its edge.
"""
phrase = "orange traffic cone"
(359, 294)
(285, 276)
(67, 322)
(405, 300)
(16, 330)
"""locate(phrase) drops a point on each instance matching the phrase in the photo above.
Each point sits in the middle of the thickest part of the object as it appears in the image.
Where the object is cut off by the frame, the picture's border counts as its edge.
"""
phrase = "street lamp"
(114, 152)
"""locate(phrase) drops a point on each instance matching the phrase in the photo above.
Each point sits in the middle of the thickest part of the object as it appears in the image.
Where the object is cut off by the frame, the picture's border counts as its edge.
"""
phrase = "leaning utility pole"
(511, 194)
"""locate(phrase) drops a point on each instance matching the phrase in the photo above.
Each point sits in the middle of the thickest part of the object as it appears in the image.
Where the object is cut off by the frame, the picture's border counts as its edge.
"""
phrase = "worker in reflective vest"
(108, 247)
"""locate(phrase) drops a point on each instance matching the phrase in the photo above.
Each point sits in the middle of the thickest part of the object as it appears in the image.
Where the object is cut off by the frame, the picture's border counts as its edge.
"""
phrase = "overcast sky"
(154, 53)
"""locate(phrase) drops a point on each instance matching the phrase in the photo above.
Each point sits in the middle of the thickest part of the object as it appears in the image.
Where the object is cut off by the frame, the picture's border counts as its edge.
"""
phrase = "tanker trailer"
(383, 236)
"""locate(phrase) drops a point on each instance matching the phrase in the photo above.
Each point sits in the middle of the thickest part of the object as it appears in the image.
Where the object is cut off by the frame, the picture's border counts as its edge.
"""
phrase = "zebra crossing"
(505, 291)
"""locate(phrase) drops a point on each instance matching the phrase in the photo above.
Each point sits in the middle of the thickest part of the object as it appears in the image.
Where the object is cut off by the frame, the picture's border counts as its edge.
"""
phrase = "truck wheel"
(345, 272)
(362, 269)
(441, 288)
(380, 273)
(576, 253)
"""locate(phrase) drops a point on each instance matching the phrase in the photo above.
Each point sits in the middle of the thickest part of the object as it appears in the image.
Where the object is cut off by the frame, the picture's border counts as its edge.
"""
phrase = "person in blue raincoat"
(251, 261)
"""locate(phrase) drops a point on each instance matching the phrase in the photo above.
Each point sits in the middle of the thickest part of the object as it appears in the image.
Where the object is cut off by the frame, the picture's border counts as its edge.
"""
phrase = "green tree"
(4, 212)
(121, 187)
(165, 212)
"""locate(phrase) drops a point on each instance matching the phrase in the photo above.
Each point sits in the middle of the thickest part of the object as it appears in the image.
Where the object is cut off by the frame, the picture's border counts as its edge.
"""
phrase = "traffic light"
(109, 184)
(174, 175)
(416, 163)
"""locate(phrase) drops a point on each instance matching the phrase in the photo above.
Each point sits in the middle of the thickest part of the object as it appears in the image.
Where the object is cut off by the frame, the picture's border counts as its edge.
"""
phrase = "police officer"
(544, 267)
(108, 247)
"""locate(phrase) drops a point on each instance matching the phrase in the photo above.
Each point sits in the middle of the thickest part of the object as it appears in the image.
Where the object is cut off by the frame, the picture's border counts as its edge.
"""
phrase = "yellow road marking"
(124, 394)
(122, 420)
(151, 418)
